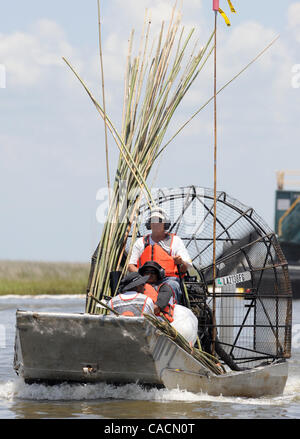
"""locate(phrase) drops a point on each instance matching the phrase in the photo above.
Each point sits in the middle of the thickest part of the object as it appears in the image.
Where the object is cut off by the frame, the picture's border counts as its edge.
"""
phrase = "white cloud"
(17, 52)
(114, 56)
(133, 12)
(29, 56)
(49, 30)
(157, 9)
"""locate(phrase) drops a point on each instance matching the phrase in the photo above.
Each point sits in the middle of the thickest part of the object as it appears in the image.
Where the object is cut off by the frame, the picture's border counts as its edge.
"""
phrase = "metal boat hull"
(267, 380)
(59, 347)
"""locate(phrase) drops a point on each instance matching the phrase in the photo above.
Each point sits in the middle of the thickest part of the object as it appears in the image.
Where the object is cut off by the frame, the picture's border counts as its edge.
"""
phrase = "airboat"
(244, 313)
(239, 287)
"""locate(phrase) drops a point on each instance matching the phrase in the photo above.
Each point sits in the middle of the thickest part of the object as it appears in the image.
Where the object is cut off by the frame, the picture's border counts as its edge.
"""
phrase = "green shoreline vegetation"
(29, 277)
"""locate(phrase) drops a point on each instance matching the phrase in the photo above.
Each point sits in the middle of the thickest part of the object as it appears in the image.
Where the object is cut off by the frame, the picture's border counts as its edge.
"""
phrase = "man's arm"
(181, 255)
(137, 250)
(164, 296)
(132, 268)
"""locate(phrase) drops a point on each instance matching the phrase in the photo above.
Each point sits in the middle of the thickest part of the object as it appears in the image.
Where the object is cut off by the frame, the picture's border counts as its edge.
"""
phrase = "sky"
(52, 154)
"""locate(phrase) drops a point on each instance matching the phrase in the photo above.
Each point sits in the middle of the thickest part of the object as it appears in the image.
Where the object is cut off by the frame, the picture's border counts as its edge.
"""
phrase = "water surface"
(87, 401)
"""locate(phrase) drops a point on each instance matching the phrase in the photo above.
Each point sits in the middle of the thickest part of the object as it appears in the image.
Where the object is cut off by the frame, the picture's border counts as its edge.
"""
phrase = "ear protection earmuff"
(148, 225)
(167, 223)
(162, 273)
(160, 270)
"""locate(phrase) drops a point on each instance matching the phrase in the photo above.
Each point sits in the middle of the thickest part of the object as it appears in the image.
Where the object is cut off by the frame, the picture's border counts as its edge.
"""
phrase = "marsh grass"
(27, 277)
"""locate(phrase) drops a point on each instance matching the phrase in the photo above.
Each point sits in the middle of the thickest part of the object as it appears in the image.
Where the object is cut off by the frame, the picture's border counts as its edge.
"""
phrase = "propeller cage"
(250, 293)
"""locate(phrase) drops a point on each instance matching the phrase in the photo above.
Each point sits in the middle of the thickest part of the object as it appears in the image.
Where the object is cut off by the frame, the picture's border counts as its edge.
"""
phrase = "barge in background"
(287, 225)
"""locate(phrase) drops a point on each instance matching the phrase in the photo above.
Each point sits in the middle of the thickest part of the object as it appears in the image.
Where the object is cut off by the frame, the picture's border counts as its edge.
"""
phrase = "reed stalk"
(209, 361)
(156, 81)
(103, 100)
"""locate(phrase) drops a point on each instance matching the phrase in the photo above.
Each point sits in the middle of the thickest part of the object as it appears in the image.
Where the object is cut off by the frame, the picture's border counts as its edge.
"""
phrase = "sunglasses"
(149, 272)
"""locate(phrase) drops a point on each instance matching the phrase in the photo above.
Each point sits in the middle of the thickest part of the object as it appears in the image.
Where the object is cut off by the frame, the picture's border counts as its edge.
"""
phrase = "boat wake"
(19, 390)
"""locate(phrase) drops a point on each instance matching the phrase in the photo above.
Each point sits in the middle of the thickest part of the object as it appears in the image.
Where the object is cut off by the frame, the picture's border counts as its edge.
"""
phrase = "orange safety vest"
(152, 292)
(129, 307)
(158, 254)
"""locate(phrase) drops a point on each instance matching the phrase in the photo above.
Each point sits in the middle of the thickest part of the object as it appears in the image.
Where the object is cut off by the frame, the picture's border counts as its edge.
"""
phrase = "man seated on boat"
(132, 301)
(159, 291)
(165, 248)
(180, 317)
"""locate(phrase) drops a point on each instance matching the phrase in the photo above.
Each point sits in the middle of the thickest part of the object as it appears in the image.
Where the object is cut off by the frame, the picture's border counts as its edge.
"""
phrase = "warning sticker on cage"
(233, 279)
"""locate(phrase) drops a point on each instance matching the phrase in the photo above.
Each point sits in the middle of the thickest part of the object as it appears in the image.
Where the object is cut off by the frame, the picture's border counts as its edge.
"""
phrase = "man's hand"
(182, 266)
(178, 260)
(156, 309)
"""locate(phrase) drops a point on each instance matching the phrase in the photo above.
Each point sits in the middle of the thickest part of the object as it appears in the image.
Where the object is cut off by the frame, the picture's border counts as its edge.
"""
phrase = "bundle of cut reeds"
(156, 81)
(209, 361)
